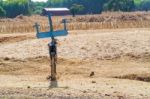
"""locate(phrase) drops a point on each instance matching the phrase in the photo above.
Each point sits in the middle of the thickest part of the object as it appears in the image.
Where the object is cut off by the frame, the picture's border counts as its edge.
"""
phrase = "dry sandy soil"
(120, 60)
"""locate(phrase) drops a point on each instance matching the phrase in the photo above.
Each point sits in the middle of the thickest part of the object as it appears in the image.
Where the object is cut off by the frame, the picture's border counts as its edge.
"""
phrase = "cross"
(53, 44)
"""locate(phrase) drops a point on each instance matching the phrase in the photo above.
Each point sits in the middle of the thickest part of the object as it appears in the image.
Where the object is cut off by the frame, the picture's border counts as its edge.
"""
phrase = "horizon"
(36, 0)
(39, 0)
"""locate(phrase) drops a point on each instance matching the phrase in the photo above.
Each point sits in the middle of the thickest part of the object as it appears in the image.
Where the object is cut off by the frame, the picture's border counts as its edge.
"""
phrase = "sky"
(40, 0)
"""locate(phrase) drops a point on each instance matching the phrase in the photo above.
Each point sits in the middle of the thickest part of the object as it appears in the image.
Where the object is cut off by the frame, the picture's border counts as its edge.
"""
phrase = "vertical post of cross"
(50, 22)
(65, 26)
(37, 27)
(52, 51)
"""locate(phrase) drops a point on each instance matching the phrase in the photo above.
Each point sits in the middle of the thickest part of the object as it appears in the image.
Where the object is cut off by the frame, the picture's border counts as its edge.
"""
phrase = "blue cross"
(51, 33)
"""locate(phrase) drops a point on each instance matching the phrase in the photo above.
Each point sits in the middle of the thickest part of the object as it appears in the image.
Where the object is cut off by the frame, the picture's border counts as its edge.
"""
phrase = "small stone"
(141, 95)
(28, 87)
(115, 92)
(92, 74)
(68, 94)
(120, 97)
(6, 58)
(93, 81)
(84, 91)
(107, 94)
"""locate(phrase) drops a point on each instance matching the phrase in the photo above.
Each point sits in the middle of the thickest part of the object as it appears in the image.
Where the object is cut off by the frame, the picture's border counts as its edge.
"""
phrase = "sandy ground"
(119, 58)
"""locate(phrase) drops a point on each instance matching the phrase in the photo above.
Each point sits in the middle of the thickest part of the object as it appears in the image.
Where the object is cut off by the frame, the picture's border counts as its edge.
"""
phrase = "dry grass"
(103, 21)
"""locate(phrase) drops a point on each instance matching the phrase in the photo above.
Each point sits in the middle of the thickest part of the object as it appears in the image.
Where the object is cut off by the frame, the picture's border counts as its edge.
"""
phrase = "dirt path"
(24, 66)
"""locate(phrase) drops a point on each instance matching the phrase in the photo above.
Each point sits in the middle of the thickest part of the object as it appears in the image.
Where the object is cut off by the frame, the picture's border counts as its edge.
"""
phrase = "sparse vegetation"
(2, 12)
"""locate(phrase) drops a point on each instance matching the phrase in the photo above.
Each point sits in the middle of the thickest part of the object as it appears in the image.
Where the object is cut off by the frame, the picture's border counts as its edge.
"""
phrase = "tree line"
(12, 8)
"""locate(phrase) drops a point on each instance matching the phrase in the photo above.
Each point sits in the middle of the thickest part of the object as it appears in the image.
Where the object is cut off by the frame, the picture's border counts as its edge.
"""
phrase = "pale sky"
(40, 0)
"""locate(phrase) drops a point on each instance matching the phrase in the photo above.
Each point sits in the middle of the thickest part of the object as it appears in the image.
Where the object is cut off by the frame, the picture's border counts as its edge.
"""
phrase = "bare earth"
(118, 57)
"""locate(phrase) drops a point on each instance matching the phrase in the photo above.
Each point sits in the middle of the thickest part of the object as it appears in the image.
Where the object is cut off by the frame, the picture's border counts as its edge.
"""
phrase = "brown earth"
(104, 17)
(114, 17)
(119, 59)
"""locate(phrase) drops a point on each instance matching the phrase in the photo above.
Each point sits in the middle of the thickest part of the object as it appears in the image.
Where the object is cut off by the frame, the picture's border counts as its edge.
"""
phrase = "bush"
(76, 8)
(119, 5)
(2, 12)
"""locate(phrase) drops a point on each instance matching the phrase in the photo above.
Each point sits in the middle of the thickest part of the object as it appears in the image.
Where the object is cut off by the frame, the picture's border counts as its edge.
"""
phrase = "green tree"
(119, 5)
(1, 2)
(91, 6)
(137, 2)
(75, 8)
(37, 7)
(16, 7)
(2, 12)
(144, 5)
(55, 3)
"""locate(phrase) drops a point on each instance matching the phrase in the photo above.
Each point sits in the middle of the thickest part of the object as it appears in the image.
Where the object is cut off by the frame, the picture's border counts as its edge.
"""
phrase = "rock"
(92, 74)
(107, 94)
(6, 58)
(84, 91)
(141, 95)
(28, 87)
(120, 97)
(93, 81)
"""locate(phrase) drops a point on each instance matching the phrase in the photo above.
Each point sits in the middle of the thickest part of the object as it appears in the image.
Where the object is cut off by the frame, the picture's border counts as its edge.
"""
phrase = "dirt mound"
(20, 17)
(24, 19)
(12, 39)
(139, 77)
(114, 17)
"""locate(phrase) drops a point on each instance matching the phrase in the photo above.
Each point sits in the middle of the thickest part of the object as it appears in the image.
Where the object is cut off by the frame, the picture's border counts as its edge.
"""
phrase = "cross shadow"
(53, 84)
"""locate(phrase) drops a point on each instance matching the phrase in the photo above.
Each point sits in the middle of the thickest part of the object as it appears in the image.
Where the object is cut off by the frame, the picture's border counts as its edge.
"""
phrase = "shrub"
(2, 12)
